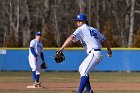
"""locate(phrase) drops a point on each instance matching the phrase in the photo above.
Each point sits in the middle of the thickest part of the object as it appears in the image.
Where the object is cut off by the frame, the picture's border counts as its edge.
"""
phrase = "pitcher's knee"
(83, 73)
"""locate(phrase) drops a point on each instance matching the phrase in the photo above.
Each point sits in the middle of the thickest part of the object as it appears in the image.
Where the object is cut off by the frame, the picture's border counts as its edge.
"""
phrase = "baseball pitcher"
(90, 39)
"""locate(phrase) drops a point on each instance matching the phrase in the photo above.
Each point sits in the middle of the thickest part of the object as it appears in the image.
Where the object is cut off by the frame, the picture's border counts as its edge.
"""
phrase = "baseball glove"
(59, 57)
(43, 65)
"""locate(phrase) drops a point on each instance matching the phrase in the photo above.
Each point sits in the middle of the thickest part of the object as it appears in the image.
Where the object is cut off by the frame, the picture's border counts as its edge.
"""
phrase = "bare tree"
(27, 23)
(89, 12)
(21, 18)
(131, 30)
(16, 26)
(97, 14)
(56, 22)
(82, 5)
(121, 15)
(127, 21)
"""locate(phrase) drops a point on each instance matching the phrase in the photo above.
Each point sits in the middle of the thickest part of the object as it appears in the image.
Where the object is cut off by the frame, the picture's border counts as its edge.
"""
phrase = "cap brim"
(38, 34)
(77, 20)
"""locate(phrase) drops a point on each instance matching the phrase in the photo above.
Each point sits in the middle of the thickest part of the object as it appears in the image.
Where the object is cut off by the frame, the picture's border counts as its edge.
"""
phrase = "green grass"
(66, 77)
(115, 77)
(103, 77)
(45, 77)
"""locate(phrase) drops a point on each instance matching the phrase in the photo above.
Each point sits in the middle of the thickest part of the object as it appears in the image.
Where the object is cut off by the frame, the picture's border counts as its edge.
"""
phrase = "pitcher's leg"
(82, 85)
(88, 86)
(87, 65)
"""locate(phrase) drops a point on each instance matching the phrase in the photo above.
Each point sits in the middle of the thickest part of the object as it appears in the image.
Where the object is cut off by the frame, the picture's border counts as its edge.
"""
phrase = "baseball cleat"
(35, 85)
(91, 91)
(38, 84)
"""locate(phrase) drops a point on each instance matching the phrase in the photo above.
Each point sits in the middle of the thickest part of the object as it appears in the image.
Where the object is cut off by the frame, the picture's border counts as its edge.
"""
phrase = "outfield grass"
(68, 77)
(97, 77)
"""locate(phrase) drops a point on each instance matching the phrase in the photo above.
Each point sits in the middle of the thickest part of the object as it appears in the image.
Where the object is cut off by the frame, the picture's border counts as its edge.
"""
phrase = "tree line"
(118, 20)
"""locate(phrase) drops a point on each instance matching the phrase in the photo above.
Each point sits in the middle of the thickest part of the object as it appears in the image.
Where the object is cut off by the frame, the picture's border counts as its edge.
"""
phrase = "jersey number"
(92, 33)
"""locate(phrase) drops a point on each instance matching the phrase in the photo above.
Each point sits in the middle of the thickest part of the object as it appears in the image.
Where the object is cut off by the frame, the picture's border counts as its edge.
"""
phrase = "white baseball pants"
(34, 64)
(89, 63)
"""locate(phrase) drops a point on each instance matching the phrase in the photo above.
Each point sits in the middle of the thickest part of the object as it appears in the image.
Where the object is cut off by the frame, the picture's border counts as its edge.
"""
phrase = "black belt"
(95, 50)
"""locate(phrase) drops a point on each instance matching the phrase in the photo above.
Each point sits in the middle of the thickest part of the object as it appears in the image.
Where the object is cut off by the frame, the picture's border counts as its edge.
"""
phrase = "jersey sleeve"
(101, 37)
(32, 44)
(32, 47)
(76, 35)
(33, 51)
(41, 47)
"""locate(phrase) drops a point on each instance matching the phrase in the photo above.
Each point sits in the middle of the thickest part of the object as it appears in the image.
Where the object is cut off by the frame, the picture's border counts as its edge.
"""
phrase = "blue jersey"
(89, 37)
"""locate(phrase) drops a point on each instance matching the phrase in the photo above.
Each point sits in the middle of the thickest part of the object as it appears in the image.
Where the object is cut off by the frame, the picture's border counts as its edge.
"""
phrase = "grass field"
(69, 77)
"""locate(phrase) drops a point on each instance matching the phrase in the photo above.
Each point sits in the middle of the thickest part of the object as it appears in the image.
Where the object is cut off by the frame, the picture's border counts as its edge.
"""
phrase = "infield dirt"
(73, 86)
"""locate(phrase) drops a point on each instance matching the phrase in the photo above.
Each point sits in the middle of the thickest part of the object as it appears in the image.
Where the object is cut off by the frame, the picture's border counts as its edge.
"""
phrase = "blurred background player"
(36, 51)
(90, 39)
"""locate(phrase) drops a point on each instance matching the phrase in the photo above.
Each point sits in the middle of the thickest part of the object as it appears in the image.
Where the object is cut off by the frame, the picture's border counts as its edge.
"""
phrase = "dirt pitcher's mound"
(73, 86)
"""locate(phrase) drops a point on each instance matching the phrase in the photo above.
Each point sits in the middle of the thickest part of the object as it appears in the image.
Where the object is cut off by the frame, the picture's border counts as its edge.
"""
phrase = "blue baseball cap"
(38, 33)
(81, 17)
